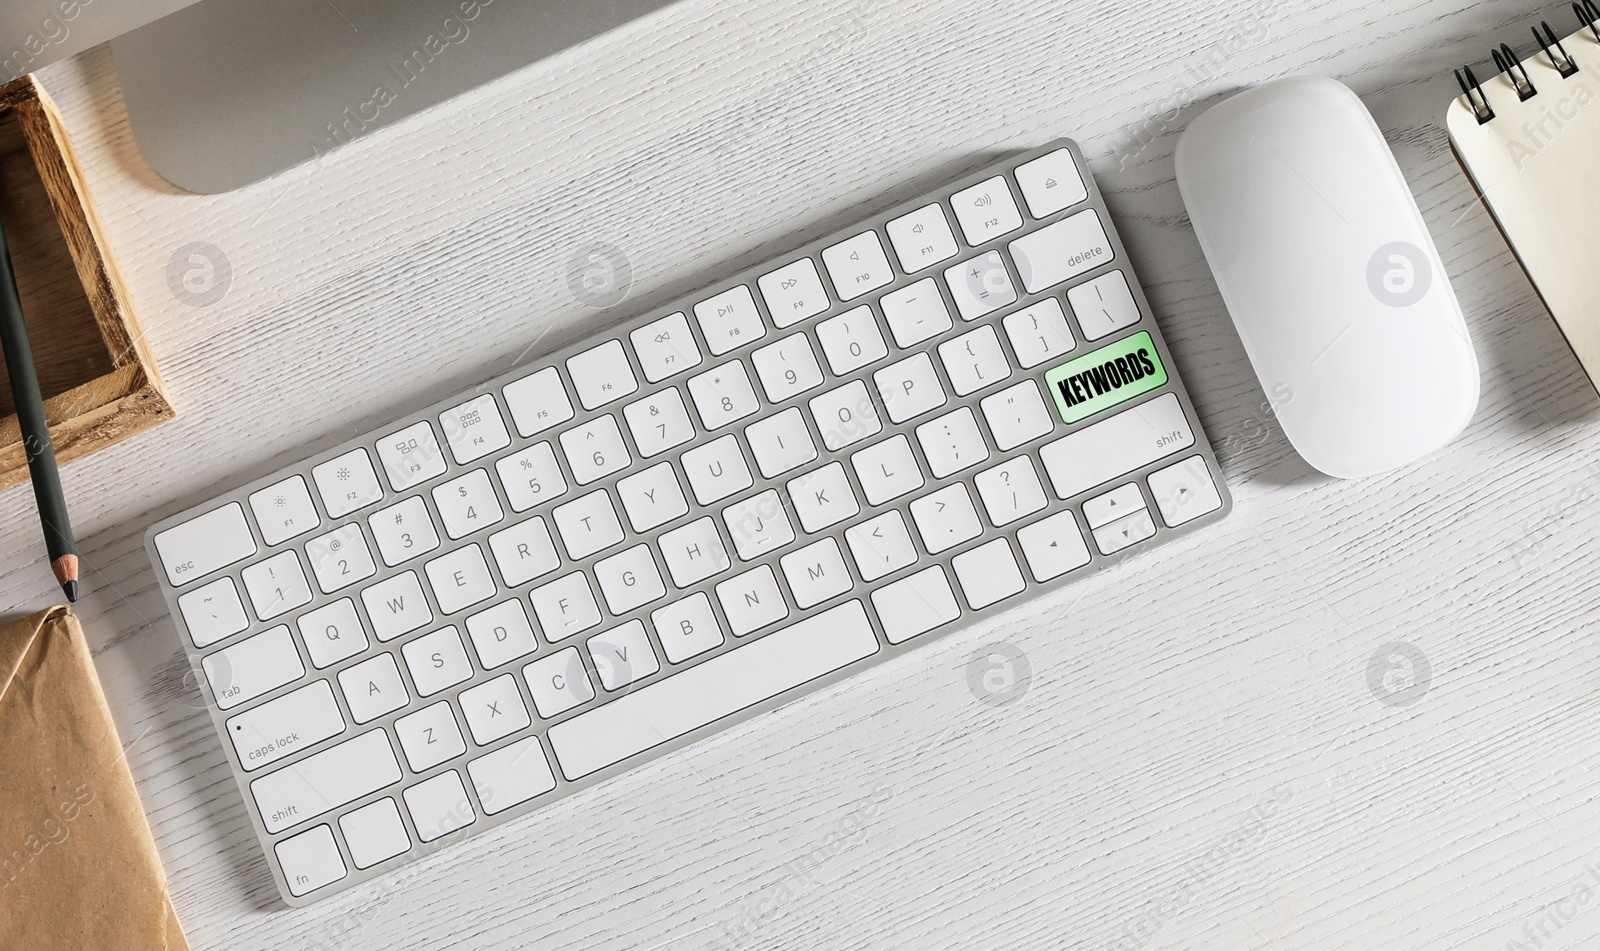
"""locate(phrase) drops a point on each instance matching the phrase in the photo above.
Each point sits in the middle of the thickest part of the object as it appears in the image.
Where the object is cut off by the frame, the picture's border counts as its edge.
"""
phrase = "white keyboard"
(686, 520)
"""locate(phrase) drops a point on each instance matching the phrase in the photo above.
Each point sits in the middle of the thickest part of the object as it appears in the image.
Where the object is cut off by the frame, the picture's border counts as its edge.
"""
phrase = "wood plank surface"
(1198, 761)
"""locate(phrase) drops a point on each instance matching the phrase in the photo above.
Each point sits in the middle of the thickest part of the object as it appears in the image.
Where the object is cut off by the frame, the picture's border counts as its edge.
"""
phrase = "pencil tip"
(70, 589)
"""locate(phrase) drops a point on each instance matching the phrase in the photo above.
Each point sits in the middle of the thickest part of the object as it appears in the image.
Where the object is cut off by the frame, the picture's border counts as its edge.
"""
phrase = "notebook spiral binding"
(1506, 61)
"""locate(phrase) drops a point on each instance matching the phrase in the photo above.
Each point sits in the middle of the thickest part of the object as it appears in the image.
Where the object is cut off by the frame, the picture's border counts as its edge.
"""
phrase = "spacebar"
(712, 690)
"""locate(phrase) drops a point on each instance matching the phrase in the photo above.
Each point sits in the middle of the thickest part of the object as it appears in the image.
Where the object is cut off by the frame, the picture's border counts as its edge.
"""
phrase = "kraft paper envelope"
(78, 867)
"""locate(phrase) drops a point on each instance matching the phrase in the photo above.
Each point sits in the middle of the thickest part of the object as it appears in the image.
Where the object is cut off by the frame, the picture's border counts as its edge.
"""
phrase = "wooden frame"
(100, 382)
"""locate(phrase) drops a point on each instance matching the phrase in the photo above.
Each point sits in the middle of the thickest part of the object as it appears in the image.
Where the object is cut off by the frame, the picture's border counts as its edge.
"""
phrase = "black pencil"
(35, 431)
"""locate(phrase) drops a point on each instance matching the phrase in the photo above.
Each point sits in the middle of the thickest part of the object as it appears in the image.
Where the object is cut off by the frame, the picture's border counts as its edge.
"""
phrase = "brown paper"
(78, 867)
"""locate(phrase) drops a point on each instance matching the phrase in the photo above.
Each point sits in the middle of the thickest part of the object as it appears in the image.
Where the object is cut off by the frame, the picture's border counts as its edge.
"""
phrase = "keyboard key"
(845, 415)
(1053, 547)
(347, 483)
(909, 388)
(687, 629)
(213, 612)
(729, 320)
(758, 525)
(252, 667)
(1061, 251)
(397, 606)
(915, 604)
(474, 429)
(986, 211)
(602, 375)
(952, 442)
(1107, 377)
(332, 632)
(787, 368)
(793, 293)
(716, 470)
(653, 497)
(1011, 490)
(816, 573)
(1185, 491)
(531, 476)
(524, 551)
(403, 531)
(752, 601)
(276, 585)
(1125, 531)
(588, 524)
(1051, 183)
(373, 688)
(411, 456)
(857, 265)
(595, 449)
(629, 579)
(881, 545)
(375, 832)
(310, 860)
(325, 781)
(916, 313)
(822, 497)
(340, 558)
(659, 422)
(1115, 446)
(974, 361)
(694, 552)
(713, 689)
(665, 347)
(460, 579)
(284, 510)
(501, 634)
(205, 543)
(851, 341)
(623, 655)
(887, 470)
(538, 401)
(980, 286)
(494, 710)
(1107, 508)
(946, 518)
(511, 775)
(988, 573)
(780, 443)
(1016, 415)
(429, 737)
(1039, 333)
(565, 606)
(558, 683)
(723, 395)
(439, 806)
(922, 238)
(1103, 305)
(437, 661)
(289, 724)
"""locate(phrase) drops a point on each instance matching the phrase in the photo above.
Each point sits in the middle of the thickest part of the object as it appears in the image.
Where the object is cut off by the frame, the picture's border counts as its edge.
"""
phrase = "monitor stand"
(227, 92)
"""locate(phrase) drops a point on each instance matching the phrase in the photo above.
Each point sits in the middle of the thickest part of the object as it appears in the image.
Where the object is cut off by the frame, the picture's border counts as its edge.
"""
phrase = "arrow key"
(1125, 531)
(1185, 491)
(1105, 509)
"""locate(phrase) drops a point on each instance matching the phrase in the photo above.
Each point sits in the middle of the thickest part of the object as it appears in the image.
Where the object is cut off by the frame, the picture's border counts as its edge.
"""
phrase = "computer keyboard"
(685, 520)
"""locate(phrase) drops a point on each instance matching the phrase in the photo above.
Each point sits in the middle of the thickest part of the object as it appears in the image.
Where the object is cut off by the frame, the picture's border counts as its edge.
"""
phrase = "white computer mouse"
(1330, 275)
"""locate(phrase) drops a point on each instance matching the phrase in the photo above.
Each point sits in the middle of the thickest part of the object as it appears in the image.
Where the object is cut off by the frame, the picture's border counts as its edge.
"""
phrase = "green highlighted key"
(1114, 374)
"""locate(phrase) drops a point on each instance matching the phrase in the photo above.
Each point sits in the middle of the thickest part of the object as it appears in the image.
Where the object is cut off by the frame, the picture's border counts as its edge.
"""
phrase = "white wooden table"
(1198, 760)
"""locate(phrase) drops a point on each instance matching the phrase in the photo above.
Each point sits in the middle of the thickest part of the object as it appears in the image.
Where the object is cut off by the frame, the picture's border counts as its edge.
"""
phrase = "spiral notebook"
(1526, 137)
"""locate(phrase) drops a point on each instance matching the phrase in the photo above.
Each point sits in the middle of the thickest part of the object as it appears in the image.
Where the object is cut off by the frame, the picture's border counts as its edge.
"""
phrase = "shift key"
(325, 780)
